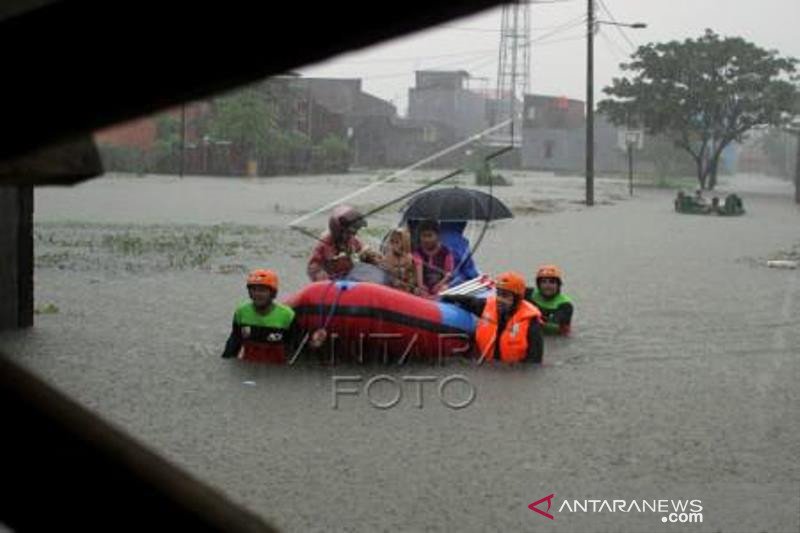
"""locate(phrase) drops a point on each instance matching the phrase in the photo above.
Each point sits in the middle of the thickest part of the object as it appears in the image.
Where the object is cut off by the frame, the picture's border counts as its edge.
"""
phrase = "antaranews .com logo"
(671, 511)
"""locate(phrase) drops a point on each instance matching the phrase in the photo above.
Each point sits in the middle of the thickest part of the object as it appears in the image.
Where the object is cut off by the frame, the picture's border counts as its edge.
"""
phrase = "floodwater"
(680, 381)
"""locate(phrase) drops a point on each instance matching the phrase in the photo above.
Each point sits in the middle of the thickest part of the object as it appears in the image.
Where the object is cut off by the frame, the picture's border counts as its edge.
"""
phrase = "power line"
(556, 27)
(465, 28)
(483, 63)
(464, 53)
(615, 49)
(553, 30)
(562, 40)
(568, 25)
(475, 62)
(460, 63)
(495, 30)
(478, 56)
(616, 25)
(576, 22)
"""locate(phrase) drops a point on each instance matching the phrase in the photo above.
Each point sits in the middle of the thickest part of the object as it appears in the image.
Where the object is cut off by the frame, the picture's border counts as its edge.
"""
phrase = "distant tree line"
(254, 125)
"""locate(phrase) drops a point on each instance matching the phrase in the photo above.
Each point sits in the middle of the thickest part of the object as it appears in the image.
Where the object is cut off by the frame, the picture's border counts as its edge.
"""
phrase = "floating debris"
(782, 263)
(49, 309)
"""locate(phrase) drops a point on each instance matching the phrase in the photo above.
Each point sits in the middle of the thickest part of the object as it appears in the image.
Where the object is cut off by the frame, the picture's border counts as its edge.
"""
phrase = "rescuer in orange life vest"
(509, 329)
(265, 328)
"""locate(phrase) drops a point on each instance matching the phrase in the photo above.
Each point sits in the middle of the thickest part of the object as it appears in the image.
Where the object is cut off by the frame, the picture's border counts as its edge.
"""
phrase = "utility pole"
(590, 104)
(793, 130)
(183, 137)
(630, 168)
(797, 171)
(591, 25)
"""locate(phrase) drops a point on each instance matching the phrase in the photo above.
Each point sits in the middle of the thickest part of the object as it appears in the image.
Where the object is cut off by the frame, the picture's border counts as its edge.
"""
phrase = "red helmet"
(344, 216)
(512, 282)
(264, 278)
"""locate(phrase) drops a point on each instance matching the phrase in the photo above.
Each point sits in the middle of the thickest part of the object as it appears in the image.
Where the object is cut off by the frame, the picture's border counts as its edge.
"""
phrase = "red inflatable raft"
(368, 320)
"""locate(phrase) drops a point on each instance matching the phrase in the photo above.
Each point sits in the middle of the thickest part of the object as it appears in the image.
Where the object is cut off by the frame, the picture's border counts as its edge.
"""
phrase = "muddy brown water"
(680, 381)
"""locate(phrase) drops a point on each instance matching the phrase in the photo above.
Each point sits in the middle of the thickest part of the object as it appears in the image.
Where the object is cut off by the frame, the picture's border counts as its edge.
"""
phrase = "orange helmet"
(512, 282)
(549, 271)
(265, 278)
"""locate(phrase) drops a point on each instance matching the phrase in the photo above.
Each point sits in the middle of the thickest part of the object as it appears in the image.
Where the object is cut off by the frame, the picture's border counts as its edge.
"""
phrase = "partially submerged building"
(443, 97)
(554, 136)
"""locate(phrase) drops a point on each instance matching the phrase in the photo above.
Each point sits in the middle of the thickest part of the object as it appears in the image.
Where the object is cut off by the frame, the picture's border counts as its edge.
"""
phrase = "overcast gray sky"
(558, 59)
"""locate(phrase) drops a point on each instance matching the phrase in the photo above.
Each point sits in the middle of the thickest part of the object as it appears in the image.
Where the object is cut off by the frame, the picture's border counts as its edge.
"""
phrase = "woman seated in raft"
(334, 255)
(556, 307)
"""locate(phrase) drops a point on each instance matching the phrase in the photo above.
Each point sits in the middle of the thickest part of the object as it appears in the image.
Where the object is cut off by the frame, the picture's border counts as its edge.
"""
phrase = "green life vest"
(279, 317)
(548, 307)
(264, 336)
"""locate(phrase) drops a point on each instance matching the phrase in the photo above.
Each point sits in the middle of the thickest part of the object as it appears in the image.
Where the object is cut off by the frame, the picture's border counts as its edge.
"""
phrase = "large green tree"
(260, 120)
(247, 118)
(702, 93)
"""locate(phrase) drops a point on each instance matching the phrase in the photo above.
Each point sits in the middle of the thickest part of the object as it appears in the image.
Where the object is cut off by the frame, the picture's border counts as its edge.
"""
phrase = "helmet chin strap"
(548, 297)
(265, 306)
(506, 309)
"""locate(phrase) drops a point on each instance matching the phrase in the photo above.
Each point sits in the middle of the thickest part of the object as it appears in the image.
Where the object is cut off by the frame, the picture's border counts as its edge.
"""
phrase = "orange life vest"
(513, 339)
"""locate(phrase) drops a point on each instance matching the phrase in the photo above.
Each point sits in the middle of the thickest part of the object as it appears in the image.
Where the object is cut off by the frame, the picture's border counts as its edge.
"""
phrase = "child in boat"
(434, 261)
(333, 256)
(398, 262)
(556, 307)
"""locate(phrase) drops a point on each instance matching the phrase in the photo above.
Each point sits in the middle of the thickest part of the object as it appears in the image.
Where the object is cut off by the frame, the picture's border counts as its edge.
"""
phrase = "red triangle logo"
(548, 499)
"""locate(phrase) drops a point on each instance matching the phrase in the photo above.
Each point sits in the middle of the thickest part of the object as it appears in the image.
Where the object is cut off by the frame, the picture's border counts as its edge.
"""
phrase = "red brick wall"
(142, 132)
(139, 133)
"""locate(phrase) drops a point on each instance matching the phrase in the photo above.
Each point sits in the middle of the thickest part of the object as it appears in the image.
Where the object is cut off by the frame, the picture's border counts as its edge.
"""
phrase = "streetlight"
(590, 25)
(635, 25)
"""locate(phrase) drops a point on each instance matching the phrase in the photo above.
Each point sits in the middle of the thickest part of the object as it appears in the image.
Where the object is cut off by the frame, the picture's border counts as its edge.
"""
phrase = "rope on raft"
(469, 287)
(339, 289)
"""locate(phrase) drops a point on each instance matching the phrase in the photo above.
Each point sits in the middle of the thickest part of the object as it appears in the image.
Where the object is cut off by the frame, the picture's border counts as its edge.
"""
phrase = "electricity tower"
(513, 70)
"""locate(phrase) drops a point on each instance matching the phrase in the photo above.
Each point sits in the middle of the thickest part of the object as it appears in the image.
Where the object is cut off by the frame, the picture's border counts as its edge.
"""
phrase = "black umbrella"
(455, 203)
